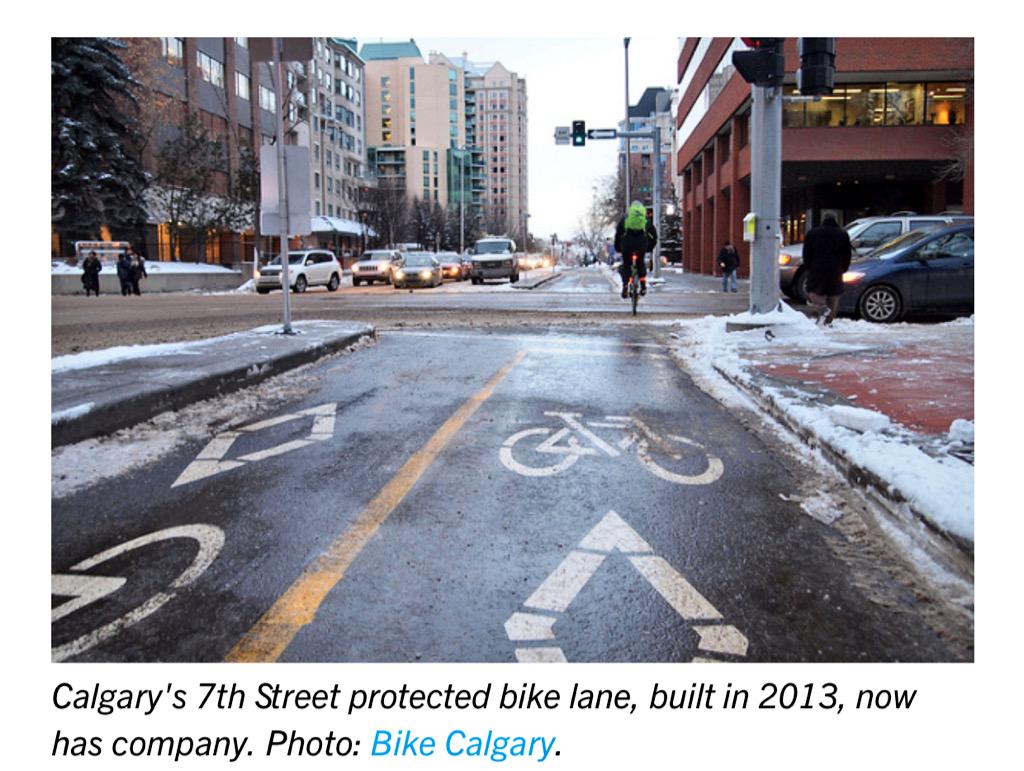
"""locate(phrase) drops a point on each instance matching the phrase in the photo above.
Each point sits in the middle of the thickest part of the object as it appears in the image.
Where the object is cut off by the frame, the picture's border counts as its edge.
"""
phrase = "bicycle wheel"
(509, 462)
(690, 464)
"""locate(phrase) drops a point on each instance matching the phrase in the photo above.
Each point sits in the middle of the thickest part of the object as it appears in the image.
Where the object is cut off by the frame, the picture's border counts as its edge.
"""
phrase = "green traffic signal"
(579, 133)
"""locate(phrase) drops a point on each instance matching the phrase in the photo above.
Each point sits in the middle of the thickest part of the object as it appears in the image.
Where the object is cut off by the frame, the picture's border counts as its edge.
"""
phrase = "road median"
(96, 393)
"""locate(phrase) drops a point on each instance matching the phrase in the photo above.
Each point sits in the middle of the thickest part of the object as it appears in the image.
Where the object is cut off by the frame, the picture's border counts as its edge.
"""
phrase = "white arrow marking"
(677, 591)
(722, 639)
(613, 533)
(540, 656)
(82, 590)
(211, 461)
(561, 587)
(530, 626)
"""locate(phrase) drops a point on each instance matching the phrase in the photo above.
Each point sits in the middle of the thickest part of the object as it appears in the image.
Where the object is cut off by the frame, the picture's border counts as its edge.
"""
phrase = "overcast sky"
(569, 79)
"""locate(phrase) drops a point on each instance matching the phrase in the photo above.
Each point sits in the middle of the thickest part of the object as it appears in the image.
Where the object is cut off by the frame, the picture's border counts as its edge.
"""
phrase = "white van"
(494, 257)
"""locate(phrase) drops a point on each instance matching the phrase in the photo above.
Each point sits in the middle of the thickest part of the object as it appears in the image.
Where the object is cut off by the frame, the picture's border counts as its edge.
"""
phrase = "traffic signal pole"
(765, 197)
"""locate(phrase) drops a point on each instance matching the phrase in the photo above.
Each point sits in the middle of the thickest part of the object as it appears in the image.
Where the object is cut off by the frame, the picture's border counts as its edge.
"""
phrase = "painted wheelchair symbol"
(565, 443)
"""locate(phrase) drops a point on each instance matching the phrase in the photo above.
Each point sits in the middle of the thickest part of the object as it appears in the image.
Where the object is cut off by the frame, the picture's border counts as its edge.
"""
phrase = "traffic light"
(817, 73)
(579, 133)
(762, 65)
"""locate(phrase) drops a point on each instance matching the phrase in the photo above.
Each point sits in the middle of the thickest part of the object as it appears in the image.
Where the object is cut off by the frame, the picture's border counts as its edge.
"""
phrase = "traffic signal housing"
(763, 64)
(579, 133)
(817, 73)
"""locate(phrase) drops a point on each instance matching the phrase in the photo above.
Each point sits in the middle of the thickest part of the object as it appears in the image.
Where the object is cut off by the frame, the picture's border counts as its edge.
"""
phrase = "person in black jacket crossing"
(728, 261)
(827, 254)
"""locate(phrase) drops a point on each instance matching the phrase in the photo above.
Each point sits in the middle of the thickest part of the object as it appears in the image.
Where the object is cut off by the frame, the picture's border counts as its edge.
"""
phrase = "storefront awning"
(323, 224)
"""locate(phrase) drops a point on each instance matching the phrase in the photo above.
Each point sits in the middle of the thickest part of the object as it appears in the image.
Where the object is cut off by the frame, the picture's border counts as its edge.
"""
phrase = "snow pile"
(103, 356)
(939, 488)
(71, 412)
(153, 267)
(962, 431)
(858, 420)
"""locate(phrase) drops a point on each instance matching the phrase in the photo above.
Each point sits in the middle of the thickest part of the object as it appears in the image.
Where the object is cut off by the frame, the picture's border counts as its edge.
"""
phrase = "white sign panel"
(297, 175)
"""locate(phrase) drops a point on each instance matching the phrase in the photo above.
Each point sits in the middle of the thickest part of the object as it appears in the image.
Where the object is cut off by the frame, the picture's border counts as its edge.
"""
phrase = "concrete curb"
(882, 493)
(114, 415)
(538, 282)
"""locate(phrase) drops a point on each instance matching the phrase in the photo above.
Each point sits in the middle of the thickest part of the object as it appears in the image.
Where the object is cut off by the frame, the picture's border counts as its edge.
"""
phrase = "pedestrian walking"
(827, 255)
(728, 261)
(136, 271)
(124, 267)
(91, 268)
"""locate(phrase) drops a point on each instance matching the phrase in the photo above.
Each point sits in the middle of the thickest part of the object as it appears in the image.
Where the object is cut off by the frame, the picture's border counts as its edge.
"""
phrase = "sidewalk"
(890, 406)
(99, 392)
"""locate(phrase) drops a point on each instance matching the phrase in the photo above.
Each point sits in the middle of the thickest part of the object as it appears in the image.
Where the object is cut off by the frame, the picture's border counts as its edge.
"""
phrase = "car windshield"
(889, 249)
(370, 256)
(418, 261)
(492, 247)
(293, 259)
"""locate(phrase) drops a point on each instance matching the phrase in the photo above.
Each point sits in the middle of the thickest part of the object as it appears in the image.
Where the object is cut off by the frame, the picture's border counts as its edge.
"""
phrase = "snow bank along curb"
(538, 282)
(872, 453)
(219, 372)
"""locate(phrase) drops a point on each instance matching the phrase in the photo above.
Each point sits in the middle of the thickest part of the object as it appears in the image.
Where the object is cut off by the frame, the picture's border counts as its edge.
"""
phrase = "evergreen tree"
(96, 177)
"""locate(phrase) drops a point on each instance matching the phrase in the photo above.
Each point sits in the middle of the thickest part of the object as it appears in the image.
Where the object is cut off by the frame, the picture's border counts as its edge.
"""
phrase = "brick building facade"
(896, 134)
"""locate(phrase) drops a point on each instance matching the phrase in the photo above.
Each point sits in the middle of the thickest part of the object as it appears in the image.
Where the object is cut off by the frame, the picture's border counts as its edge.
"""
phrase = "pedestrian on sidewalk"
(91, 268)
(728, 261)
(136, 270)
(124, 263)
(827, 255)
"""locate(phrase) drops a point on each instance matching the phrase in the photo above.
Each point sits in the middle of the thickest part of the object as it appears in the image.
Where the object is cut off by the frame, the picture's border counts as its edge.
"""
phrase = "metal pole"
(282, 188)
(657, 199)
(765, 194)
(462, 204)
(625, 42)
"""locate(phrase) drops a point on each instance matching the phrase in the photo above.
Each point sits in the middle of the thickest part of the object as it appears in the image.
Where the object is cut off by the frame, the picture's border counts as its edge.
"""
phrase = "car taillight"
(785, 259)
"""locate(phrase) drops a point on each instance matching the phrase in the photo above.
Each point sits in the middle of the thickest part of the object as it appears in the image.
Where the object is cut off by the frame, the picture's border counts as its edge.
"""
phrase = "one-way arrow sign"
(602, 133)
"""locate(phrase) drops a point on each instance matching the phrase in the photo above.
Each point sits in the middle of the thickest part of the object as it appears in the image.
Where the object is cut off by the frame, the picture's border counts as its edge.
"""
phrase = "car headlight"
(426, 274)
(785, 259)
(853, 276)
(399, 274)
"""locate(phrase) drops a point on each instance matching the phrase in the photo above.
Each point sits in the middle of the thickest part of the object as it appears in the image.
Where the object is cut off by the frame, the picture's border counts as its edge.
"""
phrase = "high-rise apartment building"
(497, 105)
(415, 122)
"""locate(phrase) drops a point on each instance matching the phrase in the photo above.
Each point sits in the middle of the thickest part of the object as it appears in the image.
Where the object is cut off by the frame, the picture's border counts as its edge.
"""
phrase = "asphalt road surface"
(81, 323)
(477, 495)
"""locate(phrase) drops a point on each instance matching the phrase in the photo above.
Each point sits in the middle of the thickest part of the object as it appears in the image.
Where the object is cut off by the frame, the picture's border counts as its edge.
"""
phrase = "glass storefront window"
(865, 104)
(946, 103)
(904, 104)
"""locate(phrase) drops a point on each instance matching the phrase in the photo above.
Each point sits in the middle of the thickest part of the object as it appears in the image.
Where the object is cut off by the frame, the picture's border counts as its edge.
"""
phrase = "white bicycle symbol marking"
(563, 442)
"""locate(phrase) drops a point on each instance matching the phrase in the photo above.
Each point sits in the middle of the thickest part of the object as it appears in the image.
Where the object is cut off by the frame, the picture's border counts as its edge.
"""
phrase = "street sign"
(562, 132)
(602, 133)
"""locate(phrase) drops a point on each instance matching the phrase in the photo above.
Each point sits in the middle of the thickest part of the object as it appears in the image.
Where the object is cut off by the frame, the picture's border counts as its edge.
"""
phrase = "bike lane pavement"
(604, 560)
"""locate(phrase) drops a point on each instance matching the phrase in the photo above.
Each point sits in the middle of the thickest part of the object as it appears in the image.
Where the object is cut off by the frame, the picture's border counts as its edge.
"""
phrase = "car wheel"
(799, 288)
(880, 304)
(300, 284)
(514, 278)
(263, 291)
(334, 283)
(356, 281)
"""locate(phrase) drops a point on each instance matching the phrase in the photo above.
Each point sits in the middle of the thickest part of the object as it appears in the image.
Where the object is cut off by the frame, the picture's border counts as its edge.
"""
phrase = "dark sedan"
(919, 272)
(417, 270)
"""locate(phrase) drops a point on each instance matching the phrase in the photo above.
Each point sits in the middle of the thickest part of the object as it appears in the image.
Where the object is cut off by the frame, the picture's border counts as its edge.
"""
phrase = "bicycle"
(634, 283)
(563, 442)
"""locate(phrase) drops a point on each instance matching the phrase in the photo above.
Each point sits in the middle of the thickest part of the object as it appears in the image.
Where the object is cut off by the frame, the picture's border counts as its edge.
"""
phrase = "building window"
(946, 103)
(212, 70)
(412, 73)
(172, 49)
(242, 86)
(268, 99)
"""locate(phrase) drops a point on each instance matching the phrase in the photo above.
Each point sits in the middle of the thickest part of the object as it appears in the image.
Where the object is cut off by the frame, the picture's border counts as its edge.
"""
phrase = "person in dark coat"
(124, 263)
(635, 234)
(91, 268)
(136, 271)
(728, 261)
(827, 255)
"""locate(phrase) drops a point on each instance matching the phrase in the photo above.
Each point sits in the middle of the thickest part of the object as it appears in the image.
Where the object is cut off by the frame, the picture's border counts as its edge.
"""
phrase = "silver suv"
(375, 265)
(866, 235)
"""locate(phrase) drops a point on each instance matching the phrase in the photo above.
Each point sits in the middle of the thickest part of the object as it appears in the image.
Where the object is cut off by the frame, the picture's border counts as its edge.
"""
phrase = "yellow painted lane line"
(274, 632)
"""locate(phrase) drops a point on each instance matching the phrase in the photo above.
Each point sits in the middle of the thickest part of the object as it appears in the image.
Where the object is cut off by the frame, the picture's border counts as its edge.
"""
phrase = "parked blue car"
(921, 272)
